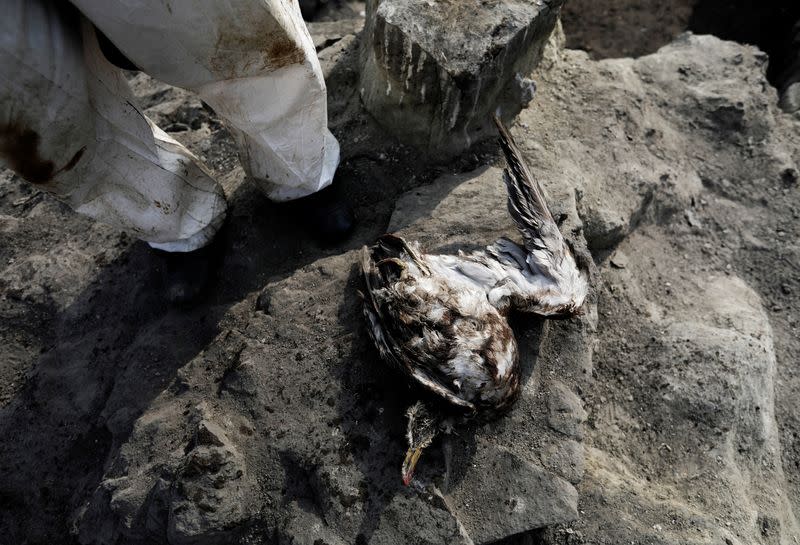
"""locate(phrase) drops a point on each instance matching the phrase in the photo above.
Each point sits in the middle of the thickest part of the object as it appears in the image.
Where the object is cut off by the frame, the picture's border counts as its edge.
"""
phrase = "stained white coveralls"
(70, 125)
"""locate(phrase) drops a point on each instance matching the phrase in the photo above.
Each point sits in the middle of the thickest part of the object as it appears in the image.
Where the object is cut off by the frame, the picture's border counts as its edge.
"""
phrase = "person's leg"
(253, 62)
(68, 124)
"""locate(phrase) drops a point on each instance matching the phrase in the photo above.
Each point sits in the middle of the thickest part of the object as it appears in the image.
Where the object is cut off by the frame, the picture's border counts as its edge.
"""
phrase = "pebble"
(619, 260)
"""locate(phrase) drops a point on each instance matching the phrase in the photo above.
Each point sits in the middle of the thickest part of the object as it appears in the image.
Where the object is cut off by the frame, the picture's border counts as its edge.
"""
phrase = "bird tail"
(526, 202)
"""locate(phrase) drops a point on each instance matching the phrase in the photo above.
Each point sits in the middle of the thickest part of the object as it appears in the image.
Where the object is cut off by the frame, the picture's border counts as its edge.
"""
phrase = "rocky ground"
(666, 414)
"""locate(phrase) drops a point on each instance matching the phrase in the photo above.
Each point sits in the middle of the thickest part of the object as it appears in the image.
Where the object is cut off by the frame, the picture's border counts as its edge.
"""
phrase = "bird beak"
(412, 456)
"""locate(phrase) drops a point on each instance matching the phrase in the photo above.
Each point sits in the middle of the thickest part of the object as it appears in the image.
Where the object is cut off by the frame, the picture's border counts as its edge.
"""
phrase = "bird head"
(423, 427)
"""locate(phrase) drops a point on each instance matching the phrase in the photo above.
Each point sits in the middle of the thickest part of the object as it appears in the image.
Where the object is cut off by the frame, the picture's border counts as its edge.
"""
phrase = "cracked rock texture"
(437, 90)
(666, 414)
(320, 420)
(692, 427)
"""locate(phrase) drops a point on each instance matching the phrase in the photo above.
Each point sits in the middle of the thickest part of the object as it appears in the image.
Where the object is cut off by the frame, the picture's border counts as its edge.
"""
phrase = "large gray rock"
(790, 98)
(684, 170)
(712, 446)
(532, 499)
(320, 453)
(263, 415)
(434, 71)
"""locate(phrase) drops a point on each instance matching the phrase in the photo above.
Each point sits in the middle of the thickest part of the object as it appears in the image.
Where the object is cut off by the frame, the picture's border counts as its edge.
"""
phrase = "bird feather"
(528, 208)
(441, 333)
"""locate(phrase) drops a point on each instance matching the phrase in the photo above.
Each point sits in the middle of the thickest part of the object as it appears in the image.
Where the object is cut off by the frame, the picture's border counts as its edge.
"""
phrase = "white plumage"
(441, 319)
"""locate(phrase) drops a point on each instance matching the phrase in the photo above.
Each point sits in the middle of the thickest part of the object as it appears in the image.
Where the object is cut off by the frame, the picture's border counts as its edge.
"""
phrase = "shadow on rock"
(372, 407)
(114, 349)
(372, 411)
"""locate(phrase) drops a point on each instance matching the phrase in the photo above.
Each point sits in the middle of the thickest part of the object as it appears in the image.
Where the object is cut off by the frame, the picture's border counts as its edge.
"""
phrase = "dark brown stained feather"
(526, 202)
(393, 319)
(523, 179)
(380, 336)
(395, 245)
(447, 338)
(441, 319)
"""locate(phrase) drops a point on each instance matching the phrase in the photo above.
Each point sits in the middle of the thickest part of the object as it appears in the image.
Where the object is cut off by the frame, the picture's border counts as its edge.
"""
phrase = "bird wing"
(528, 208)
(508, 253)
(549, 282)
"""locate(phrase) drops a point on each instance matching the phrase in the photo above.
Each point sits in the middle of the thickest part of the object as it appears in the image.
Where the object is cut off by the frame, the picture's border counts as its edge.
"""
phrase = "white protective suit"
(70, 125)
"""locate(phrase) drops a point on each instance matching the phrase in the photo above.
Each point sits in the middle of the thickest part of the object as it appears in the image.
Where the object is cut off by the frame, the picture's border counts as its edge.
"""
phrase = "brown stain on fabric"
(19, 146)
(283, 52)
(263, 46)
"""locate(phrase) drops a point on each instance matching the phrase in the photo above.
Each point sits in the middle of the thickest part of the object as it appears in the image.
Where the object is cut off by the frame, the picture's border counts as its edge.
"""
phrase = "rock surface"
(691, 424)
(327, 428)
(666, 414)
(435, 71)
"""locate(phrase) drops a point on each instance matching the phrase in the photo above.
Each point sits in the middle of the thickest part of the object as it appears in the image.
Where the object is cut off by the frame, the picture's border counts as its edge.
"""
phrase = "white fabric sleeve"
(68, 124)
(253, 61)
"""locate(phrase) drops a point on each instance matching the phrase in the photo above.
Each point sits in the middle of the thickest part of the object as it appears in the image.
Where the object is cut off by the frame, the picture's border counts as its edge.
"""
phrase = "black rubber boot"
(186, 276)
(327, 215)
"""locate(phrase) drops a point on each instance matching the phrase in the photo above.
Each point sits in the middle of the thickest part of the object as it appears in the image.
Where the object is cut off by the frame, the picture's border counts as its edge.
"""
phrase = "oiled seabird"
(441, 319)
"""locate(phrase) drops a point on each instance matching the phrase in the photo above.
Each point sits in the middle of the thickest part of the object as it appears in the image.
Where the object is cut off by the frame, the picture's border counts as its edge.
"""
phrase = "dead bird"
(441, 319)
(443, 333)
